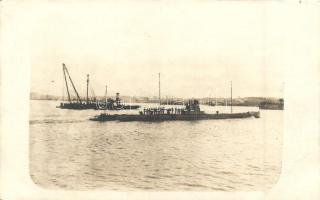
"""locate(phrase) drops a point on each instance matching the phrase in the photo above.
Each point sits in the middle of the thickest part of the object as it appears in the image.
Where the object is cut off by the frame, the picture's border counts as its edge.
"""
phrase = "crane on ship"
(79, 103)
(65, 71)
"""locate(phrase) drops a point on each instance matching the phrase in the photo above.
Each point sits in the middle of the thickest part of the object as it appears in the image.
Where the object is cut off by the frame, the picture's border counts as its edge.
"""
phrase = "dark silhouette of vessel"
(78, 104)
(111, 104)
(272, 105)
(189, 113)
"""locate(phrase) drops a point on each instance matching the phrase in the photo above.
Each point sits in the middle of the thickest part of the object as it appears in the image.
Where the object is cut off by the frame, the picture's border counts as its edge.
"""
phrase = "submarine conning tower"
(118, 100)
(192, 105)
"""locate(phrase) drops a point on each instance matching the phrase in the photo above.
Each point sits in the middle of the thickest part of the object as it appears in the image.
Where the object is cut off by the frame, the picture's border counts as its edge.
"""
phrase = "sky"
(197, 47)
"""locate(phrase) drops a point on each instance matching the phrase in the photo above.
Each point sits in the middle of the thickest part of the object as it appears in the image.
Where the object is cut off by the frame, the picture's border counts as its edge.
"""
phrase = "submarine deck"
(171, 117)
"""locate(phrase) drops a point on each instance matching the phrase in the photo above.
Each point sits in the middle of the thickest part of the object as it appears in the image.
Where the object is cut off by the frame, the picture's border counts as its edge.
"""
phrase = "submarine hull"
(173, 117)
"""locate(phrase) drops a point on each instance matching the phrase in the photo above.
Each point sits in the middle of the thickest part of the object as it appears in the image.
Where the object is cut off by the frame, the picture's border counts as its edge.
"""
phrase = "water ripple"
(68, 151)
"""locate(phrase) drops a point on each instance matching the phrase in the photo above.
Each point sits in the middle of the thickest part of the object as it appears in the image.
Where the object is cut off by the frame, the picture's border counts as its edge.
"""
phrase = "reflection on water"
(70, 152)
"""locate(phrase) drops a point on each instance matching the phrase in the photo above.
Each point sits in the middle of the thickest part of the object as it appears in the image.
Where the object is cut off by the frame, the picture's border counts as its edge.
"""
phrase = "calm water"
(68, 151)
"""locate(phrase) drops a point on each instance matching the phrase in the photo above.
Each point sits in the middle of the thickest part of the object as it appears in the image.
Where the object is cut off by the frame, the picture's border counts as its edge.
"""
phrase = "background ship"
(78, 104)
(272, 105)
(114, 104)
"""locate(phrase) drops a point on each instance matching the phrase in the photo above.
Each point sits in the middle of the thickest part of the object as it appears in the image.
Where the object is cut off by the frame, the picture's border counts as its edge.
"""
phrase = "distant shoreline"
(262, 102)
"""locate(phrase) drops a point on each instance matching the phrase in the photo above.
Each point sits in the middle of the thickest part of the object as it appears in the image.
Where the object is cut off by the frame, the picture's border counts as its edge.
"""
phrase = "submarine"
(190, 112)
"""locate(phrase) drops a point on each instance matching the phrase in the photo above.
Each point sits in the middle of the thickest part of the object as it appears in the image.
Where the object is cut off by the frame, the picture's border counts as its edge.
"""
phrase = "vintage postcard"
(159, 100)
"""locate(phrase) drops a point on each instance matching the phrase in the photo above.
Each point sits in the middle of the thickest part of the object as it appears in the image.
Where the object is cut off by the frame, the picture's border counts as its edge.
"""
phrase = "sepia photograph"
(151, 96)
(156, 99)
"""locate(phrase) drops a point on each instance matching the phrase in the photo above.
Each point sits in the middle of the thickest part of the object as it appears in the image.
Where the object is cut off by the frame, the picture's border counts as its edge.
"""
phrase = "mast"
(105, 93)
(216, 104)
(87, 89)
(74, 88)
(65, 79)
(105, 96)
(231, 97)
(159, 92)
